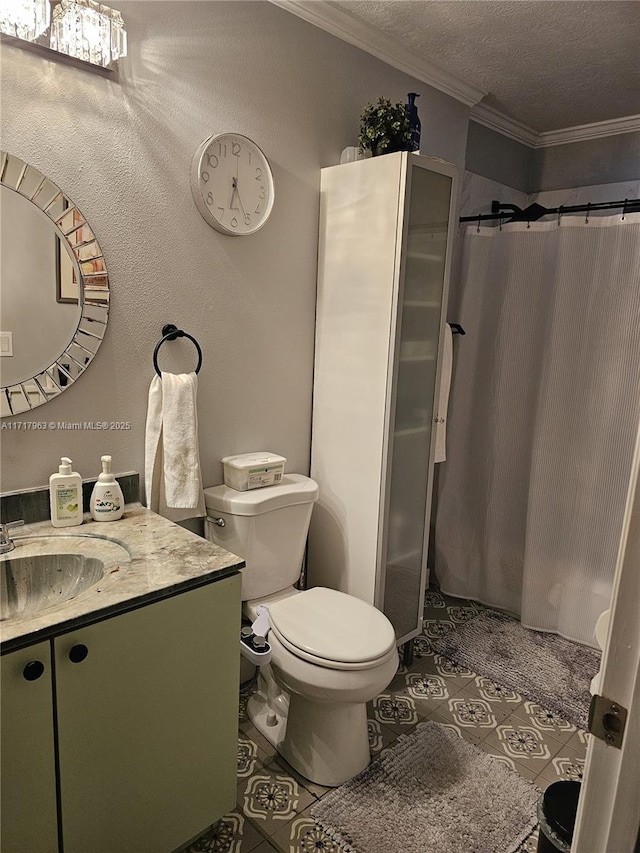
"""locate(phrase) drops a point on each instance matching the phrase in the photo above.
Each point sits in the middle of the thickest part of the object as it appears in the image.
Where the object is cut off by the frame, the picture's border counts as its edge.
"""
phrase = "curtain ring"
(528, 223)
(500, 223)
(586, 219)
(624, 209)
(559, 215)
(478, 228)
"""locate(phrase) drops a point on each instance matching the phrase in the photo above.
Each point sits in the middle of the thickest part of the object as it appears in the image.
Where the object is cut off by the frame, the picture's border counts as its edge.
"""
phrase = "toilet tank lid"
(294, 489)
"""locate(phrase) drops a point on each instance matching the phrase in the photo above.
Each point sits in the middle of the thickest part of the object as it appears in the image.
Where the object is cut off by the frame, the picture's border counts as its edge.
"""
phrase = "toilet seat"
(332, 630)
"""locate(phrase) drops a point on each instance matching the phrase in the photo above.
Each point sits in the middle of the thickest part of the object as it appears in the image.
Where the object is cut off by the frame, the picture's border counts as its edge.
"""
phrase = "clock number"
(247, 219)
(257, 210)
(213, 160)
(234, 222)
(222, 149)
(209, 198)
(221, 209)
(235, 149)
(258, 174)
(261, 193)
(205, 176)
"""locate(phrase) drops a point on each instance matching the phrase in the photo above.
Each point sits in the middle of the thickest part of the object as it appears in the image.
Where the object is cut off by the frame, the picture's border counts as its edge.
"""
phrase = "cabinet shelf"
(404, 358)
(422, 303)
(425, 256)
(417, 430)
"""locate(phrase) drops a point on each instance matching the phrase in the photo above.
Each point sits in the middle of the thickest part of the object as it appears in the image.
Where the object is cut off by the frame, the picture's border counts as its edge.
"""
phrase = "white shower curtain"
(544, 409)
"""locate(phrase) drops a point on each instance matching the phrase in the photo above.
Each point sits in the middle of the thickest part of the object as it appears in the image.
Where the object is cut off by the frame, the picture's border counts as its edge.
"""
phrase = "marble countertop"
(146, 558)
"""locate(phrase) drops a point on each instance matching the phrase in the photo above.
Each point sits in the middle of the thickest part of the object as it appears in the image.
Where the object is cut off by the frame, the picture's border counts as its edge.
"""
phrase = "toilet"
(331, 653)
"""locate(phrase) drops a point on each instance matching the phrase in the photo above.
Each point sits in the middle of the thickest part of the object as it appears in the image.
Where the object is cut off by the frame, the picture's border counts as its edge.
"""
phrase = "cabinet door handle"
(78, 653)
(33, 670)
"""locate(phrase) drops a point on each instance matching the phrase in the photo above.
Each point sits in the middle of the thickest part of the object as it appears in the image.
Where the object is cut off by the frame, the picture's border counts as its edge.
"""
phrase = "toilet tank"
(266, 527)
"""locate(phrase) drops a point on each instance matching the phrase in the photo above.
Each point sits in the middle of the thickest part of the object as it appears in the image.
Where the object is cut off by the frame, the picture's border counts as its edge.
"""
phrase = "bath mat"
(431, 790)
(544, 668)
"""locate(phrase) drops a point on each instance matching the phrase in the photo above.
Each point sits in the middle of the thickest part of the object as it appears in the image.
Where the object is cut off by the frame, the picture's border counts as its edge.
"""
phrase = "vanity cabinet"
(143, 709)
(28, 815)
(386, 228)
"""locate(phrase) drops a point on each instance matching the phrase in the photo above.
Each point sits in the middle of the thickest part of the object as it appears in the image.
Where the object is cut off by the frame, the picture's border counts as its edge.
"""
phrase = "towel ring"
(170, 333)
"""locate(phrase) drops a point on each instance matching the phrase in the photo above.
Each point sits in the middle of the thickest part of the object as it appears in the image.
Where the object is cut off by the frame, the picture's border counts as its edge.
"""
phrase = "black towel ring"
(170, 333)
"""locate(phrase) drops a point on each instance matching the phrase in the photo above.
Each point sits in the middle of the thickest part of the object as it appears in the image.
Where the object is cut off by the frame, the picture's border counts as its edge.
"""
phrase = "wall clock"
(232, 184)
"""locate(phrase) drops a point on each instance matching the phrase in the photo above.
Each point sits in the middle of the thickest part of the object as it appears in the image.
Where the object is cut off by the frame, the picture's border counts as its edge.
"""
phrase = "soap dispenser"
(107, 501)
(65, 496)
(414, 122)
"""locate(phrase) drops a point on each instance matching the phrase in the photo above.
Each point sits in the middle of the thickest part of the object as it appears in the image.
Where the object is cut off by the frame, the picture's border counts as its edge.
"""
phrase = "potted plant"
(384, 127)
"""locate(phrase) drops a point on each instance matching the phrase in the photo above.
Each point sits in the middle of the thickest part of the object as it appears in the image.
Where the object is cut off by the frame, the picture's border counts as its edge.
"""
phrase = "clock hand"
(237, 190)
(233, 192)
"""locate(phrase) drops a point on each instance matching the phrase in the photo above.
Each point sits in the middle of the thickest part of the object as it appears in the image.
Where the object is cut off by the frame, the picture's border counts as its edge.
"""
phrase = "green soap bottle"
(65, 496)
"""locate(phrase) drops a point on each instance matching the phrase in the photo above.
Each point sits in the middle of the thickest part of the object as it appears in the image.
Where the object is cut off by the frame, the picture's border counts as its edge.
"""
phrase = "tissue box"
(253, 470)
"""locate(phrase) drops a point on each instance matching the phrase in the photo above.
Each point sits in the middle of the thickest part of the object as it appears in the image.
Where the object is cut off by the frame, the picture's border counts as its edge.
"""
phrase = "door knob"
(78, 653)
(33, 670)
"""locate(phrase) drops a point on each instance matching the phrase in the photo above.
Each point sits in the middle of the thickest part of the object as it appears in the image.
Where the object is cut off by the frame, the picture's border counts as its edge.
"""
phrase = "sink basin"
(44, 571)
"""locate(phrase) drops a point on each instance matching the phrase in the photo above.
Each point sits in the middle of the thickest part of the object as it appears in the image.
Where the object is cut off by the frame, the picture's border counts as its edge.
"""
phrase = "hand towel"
(442, 402)
(173, 481)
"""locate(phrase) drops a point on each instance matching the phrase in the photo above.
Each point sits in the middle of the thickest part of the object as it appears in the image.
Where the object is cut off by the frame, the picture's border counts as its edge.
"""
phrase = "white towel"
(443, 398)
(173, 481)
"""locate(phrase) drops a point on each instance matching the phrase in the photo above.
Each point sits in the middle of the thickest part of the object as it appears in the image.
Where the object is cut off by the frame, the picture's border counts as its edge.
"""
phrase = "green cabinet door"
(28, 819)
(147, 723)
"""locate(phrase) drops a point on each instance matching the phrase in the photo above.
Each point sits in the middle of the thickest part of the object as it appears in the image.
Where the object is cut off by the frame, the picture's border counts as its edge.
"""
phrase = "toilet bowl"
(331, 653)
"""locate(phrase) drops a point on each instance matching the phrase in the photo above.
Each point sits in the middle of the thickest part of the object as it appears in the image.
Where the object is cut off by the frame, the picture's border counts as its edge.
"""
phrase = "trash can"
(557, 809)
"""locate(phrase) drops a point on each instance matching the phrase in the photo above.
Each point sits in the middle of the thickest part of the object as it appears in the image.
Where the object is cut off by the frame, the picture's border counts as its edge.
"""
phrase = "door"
(28, 814)
(421, 296)
(609, 810)
(147, 722)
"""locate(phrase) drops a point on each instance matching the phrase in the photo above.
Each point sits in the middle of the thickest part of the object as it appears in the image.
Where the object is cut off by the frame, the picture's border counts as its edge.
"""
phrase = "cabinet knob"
(78, 653)
(33, 670)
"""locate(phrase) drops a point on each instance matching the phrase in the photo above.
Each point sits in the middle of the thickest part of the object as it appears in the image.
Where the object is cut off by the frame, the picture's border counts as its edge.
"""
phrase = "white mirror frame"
(74, 231)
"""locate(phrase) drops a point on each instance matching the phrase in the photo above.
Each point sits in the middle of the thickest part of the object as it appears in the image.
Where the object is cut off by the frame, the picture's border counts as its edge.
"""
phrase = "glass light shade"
(24, 19)
(89, 31)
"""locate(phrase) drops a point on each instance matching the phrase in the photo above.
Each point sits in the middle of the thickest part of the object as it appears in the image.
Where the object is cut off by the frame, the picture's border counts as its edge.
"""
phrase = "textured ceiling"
(549, 64)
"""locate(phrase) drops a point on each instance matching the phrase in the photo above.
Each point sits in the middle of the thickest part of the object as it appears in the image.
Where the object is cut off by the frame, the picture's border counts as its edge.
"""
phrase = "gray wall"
(611, 159)
(122, 151)
(497, 157)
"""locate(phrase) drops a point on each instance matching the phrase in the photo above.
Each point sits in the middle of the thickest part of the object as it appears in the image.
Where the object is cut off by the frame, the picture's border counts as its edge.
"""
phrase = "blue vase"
(414, 121)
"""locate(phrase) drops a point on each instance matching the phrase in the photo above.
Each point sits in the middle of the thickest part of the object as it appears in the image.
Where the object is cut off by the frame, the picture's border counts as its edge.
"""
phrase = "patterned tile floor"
(272, 812)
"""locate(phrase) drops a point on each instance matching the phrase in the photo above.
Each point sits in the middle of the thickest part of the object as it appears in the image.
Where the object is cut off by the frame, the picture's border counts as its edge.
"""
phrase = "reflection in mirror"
(54, 300)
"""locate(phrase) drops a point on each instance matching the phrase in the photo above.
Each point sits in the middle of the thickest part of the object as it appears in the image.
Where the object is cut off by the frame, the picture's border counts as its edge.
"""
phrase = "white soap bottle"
(107, 500)
(65, 495)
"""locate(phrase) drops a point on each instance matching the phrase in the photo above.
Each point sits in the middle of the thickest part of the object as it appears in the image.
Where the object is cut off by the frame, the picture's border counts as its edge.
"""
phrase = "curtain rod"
(536, 211)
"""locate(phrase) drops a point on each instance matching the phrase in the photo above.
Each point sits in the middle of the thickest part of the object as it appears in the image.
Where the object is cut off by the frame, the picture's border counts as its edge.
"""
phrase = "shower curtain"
(543, 414)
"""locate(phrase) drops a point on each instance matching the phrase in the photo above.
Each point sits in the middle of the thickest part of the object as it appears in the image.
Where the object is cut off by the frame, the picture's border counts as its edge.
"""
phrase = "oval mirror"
(54, 298)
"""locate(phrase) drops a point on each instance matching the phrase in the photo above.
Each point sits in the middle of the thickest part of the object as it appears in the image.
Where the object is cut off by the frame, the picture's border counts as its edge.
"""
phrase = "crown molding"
(501, 123)
(339, 23)
(595, 130)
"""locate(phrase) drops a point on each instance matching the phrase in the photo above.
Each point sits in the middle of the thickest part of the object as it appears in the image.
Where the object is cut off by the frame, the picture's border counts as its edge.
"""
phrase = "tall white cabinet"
(386, 229)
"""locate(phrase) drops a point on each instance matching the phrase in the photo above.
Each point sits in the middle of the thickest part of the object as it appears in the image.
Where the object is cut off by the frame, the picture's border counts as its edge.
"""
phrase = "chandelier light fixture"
(88, 31)
(85, 30)
(25, 19)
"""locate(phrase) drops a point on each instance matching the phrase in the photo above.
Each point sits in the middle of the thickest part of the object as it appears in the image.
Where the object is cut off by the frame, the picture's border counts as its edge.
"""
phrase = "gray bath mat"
(431, 790)
(545, 668)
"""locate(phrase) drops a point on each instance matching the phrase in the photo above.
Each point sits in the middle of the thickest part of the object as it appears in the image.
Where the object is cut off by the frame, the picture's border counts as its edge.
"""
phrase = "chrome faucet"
(6, 544)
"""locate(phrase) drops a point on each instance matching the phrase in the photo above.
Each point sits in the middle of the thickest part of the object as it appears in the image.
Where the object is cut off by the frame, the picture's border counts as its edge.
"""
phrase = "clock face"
(232, 184)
